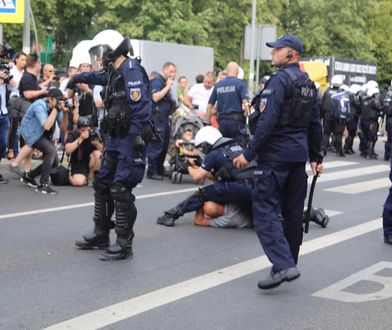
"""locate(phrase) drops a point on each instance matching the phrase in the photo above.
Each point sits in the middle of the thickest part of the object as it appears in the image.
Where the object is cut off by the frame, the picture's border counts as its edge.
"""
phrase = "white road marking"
(332, 213)
(334, 164)
(346, 174)
(336, 291)
(361, 187)
(75, 206)
(146, 302)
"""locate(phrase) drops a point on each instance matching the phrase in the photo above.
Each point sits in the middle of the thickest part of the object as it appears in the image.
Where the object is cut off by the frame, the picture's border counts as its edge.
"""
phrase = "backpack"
(340, 106)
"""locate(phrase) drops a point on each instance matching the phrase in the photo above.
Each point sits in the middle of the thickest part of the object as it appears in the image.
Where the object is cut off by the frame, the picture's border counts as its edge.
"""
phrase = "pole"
(26, 28)
(252, 51)
(257, 71)
(1, 33)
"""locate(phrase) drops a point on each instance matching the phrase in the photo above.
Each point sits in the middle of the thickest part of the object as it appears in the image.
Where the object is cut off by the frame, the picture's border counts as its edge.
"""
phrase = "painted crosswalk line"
(361, 187)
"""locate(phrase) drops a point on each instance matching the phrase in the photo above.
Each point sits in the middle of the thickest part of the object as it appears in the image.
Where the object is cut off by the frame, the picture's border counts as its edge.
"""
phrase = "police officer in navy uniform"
(128, 106)
(288, 133)
(387, 213)
(387, 109)
(230, 186)
(231, 96)
(163, 106)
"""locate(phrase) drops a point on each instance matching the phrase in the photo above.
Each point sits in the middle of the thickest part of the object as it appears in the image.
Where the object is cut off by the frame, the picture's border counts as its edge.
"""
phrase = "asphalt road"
(189, 277)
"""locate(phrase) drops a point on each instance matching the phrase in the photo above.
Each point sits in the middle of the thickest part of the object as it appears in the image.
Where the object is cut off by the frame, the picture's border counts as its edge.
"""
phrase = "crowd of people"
(111, 133)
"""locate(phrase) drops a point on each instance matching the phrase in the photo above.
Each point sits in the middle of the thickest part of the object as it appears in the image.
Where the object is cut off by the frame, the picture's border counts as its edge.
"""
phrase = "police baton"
(310, 198)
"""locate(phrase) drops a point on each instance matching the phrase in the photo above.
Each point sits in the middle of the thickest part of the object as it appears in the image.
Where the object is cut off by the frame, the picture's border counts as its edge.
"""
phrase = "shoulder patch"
(135, 94)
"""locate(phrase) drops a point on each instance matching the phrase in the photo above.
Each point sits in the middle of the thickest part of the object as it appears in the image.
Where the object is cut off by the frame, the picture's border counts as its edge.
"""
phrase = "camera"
(94, 135)
(5, 67)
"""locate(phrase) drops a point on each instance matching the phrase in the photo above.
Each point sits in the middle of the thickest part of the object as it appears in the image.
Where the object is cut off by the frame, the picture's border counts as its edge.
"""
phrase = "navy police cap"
(287, 40)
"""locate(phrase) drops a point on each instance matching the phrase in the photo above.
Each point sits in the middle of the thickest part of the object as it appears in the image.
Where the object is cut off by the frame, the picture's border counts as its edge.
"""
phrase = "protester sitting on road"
(37, 127)
(85, 148)
(231, 215)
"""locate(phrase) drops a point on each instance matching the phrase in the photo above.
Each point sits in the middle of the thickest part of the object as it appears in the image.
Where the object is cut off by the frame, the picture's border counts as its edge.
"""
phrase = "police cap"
(287, 40)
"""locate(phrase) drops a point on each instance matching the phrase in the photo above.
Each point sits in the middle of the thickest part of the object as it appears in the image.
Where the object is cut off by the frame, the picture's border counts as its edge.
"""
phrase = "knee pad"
(120, 193)
(100, 187)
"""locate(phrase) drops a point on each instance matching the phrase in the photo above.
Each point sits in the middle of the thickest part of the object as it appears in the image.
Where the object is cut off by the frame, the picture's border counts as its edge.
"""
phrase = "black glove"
(137, 143)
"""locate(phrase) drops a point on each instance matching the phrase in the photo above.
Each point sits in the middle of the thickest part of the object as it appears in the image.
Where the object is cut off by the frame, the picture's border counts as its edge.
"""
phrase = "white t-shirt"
(200, 96)
(17, 75)
(235, 216)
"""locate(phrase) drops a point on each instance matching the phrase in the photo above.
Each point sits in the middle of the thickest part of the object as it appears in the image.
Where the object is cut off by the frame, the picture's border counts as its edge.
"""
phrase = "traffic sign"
(11, 11)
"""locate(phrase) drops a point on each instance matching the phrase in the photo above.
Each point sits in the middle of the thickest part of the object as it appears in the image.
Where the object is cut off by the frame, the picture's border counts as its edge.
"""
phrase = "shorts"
(79, 168)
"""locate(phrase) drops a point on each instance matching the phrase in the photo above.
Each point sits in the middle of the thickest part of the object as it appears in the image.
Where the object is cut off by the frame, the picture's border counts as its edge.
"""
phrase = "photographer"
(37, 128)
(5, 87)
(85, 148)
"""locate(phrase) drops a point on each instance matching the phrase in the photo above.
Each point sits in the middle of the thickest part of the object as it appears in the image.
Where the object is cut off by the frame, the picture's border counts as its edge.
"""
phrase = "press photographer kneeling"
(85, 148)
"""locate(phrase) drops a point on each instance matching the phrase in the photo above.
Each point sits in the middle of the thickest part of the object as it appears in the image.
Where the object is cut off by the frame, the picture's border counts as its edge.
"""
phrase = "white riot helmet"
(372, 91)
(80, 53)
(372, 84)
(354, 89)
(106, 46)
(337, 81)
(207, 137)
(344, 88)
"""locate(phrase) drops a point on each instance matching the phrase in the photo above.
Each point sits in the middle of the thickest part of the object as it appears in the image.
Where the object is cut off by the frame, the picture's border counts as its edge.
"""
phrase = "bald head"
(232, 69)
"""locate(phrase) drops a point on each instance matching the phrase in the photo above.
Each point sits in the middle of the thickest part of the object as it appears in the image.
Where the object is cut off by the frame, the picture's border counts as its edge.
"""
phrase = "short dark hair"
(167, 64)
(182, 77)
(199, 78)
(32, 60)
(19, 54)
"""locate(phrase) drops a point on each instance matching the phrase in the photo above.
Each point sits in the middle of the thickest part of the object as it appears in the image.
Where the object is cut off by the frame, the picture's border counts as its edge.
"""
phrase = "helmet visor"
(98, 55)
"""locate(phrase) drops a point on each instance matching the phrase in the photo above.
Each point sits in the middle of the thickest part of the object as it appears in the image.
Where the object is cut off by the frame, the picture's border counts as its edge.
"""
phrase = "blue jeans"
(4, 127)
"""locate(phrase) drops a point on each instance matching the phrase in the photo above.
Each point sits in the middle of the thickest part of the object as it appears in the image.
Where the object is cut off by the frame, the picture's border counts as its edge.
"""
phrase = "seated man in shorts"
(217, 215)
(85, 148)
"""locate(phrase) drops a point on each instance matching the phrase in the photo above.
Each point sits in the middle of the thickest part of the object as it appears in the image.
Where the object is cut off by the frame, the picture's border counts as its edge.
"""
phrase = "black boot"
(103, 211)
(125, 219)
(169, 217)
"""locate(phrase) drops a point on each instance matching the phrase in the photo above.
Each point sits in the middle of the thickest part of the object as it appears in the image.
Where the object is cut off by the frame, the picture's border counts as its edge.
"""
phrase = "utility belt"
(223, 174)
(232, 116)
(116, 125)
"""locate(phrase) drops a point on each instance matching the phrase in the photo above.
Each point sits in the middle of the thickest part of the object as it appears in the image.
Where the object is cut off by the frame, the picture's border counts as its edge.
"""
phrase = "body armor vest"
(297, 109)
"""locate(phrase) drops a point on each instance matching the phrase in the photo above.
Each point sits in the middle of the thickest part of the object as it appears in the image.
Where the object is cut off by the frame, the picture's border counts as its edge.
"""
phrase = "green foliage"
(355, 29)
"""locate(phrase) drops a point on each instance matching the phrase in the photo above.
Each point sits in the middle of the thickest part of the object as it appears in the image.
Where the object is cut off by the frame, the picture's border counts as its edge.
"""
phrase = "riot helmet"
(104, 47)
(355, 88)
(343, 88)
(372, 91)
(372, 84)
(337, 81)
(206, 137)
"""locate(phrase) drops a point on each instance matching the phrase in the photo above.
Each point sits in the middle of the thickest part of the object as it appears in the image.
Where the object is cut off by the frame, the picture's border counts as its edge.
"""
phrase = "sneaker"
(46, 189)
(15, 170)
(29, 181)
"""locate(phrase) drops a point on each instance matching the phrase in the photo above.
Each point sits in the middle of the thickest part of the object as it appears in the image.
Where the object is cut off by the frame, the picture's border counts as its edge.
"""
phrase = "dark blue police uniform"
(387, 213)
(223, 191)
(229, 94)
(161, 112)
(387, 109)
(283, 141)
(128, 106)
(369, 126)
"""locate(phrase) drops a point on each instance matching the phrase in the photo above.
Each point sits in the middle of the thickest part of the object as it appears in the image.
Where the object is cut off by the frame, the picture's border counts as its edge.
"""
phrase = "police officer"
(231, 96)
(387, 109)
(387, 214)
(370, 111)
(231, 185)
(288, 133)
(326, 112)
(352, 123)
(163, 106)
(128, 106)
